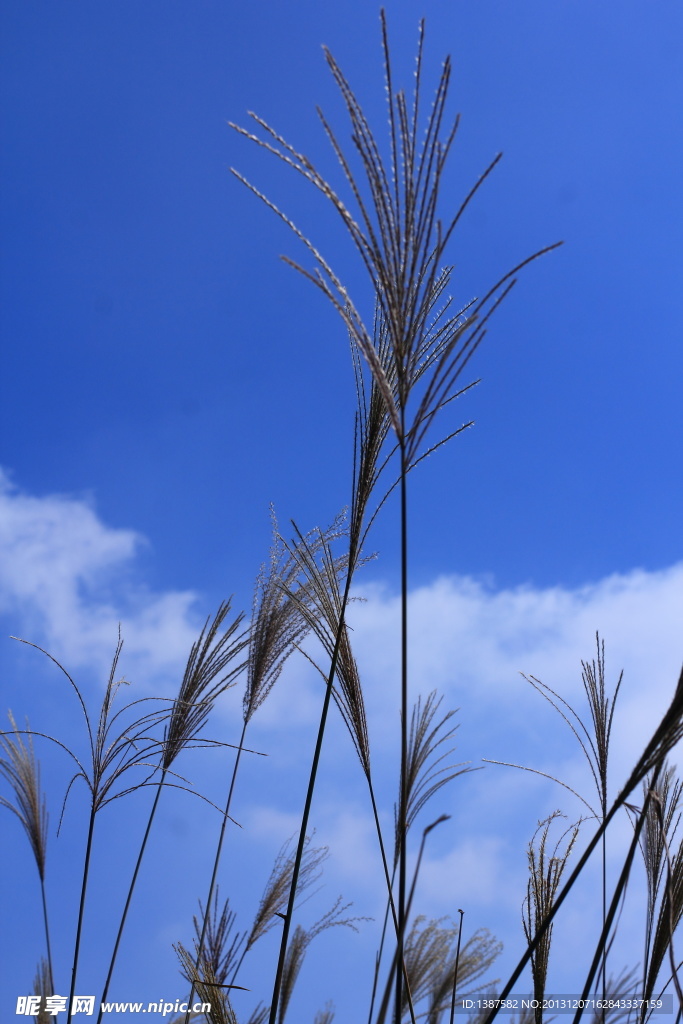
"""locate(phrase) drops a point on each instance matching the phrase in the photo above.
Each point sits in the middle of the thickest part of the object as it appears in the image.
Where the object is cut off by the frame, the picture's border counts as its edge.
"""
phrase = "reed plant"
(410, 345)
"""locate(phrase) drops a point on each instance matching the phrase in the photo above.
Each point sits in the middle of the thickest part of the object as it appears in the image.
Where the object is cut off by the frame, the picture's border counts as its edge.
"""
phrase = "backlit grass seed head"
(21, 769)
(401, 239)
(425, 771)
(121, 741)
(663, 854)
(43, 987)
(545, 873)
(275, 897)
(322, 576)
(210, 670)
(221, 948)
(207, 987)
(430, 952)
(281, 616)
(298, 947)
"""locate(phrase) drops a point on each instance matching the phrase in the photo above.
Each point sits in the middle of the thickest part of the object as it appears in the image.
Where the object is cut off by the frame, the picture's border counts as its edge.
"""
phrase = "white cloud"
(68, 579)
(65, 580)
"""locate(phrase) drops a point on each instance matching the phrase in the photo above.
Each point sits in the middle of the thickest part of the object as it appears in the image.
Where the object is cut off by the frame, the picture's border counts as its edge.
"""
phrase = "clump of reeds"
(410, 344)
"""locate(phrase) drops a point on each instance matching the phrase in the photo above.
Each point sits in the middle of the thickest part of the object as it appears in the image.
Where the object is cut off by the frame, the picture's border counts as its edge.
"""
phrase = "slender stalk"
(604, 919)
(47, 934)
(129, 897)
(81, 907)
(378, 961)
(457, 964)
(623, 878)
(214, 874)
(387, 992)
(309, 800)
(390, 906)
(404, 720)
(556, 906)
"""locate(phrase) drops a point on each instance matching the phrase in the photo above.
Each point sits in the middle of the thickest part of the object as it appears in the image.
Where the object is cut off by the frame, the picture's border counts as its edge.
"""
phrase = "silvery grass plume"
(226, 960)
(21, 769)
(207, 988)
(425, 772)
(273, 903)
(43, 987)
(323, 573)
(278, 626)
(221, 946)
(430, 956)
(402, 243)
(594, 740)
(545, 873)
(286, 607)
(666, 735)
(209, 672)
(325, 1016)
(320, 598)
(298, 947)
(664, 874)
(425, 775)
(118, 743)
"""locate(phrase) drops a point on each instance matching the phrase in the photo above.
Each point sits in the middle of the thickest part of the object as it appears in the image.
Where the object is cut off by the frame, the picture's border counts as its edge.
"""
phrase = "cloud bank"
(68, 579)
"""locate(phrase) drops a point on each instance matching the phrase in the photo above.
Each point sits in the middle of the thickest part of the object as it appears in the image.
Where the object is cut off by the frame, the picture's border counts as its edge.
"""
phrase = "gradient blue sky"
(166, 374)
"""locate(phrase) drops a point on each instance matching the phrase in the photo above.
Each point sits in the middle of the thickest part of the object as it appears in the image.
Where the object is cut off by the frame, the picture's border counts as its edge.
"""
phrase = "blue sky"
(165, 377)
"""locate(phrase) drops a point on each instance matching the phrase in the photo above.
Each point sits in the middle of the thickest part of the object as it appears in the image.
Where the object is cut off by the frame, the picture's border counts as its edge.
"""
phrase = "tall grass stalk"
(667, 734)
(278, 626)
(207, 675)
(426, 346)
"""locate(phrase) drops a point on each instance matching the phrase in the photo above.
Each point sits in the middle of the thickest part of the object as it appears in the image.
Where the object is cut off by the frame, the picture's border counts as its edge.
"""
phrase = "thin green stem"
(214, 874)
(129, 897)
(81, 907)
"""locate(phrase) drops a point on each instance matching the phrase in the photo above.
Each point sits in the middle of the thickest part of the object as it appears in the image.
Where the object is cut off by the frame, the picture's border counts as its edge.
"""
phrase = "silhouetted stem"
(390, 906)
(47, 935)
(556, 906)
(81, 909)
(129, 897)
(402, 831)
(309, 800)
(621, 884)
(387, 992)
(457, 964)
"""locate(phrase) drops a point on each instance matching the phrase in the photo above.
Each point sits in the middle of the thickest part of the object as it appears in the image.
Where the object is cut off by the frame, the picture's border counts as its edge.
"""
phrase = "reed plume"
(209, 672)
(664, 875)
(430, 955)
(43, 986)
(277, 628)
(397, 231)
(298, 947)
(545, 873)
(21, 769)
(206, 986)
(118, 742)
